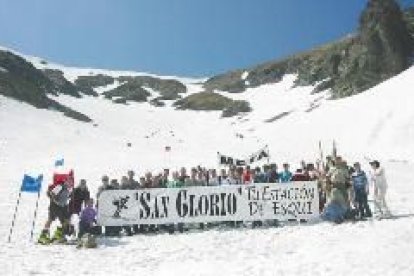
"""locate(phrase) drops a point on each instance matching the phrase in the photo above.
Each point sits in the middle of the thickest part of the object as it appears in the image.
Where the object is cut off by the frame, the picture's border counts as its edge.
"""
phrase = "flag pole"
(321, 155)
(15, 214)
(268, 154)
(35, 216)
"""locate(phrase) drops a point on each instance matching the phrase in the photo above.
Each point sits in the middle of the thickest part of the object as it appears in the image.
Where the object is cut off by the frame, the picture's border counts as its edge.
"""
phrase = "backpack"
(339, 176)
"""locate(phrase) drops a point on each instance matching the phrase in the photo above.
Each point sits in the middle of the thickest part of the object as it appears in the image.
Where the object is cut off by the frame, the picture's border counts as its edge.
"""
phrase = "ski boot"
(58, 236)
(44, 238)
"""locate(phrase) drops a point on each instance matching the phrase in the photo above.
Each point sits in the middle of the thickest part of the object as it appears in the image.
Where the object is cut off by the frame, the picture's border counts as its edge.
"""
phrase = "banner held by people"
(253, 158)
(299, 200)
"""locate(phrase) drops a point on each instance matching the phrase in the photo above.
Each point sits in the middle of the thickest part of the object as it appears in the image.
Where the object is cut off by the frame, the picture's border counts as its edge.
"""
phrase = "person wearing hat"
(380, 188)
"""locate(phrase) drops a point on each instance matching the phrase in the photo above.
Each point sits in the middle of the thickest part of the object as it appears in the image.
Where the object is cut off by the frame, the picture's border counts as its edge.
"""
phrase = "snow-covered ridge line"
(72, 73)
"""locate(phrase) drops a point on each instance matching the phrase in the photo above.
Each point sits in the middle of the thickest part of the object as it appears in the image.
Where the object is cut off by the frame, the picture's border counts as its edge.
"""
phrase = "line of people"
(209, 177)
(343, 192)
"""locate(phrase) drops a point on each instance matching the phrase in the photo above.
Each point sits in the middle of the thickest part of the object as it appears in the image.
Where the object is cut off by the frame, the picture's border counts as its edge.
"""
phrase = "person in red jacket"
(247, 175)
(300, 175)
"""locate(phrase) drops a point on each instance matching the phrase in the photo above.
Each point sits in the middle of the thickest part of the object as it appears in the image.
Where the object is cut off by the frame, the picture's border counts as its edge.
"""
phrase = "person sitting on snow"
(59, 208)
(87, 219)
(336, 209)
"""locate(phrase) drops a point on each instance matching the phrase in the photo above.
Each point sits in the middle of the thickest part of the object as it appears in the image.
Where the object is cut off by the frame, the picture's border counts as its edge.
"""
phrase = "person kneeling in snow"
(336, 209)
(87, 219)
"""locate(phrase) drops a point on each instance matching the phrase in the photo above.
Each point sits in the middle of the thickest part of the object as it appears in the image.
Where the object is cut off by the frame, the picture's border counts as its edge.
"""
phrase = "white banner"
(257, 156)
(296, 200)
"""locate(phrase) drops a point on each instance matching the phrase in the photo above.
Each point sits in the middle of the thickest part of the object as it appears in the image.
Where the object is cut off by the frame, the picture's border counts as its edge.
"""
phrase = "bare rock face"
(62, 85)
(382, 48)
(212, 101)
(20, 80)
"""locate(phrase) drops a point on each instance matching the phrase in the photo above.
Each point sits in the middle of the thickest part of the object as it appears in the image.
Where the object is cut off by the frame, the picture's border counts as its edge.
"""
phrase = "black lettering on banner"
(250, 192)
(181, 206)
(165, 201)
(214, 208)
(255, 208)
(223, 206)
(192, 205)
(192, 213)
(203, 208)
(145, 209)
(240, 163)
(266, 195)
(231, 204)
(294, 208)
(263, 200)
(276, 208)
(156, 213)
(309, 207)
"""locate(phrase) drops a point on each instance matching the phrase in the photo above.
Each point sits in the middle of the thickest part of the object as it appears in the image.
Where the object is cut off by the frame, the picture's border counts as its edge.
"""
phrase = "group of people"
(343, 192)
(64, 204)
(345, 189)
(199, 176)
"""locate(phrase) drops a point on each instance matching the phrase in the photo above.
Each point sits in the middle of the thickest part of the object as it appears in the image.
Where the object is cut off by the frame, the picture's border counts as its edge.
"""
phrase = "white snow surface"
(244, 75)
(378, 123)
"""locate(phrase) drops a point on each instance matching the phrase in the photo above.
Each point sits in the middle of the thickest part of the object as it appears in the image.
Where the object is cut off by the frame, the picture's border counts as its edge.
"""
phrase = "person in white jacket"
(380, 188)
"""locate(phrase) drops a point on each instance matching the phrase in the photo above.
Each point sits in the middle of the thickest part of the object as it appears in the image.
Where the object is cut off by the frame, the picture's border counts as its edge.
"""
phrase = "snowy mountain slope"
(377, 123)
(72, 73)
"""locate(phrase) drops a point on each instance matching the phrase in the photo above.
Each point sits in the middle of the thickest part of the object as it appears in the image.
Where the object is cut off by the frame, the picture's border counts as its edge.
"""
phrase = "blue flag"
(31, 184)
(59, 162)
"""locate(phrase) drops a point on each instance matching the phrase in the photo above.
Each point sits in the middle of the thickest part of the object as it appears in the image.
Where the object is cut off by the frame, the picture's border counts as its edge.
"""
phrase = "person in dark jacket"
(80, 196)
(59, 196)
(300, 175)
(133, 184)
(273, 175)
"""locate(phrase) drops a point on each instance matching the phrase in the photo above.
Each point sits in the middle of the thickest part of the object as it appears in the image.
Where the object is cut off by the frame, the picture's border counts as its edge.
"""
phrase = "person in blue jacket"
(360, 187)
(286, 175)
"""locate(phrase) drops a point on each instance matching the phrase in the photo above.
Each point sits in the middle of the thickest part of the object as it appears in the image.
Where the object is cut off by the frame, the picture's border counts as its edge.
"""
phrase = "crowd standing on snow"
(343, 193)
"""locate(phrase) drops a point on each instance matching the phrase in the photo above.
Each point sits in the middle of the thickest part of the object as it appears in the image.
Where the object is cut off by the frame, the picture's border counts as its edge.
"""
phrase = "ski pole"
(14, 216)
(34, 216)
